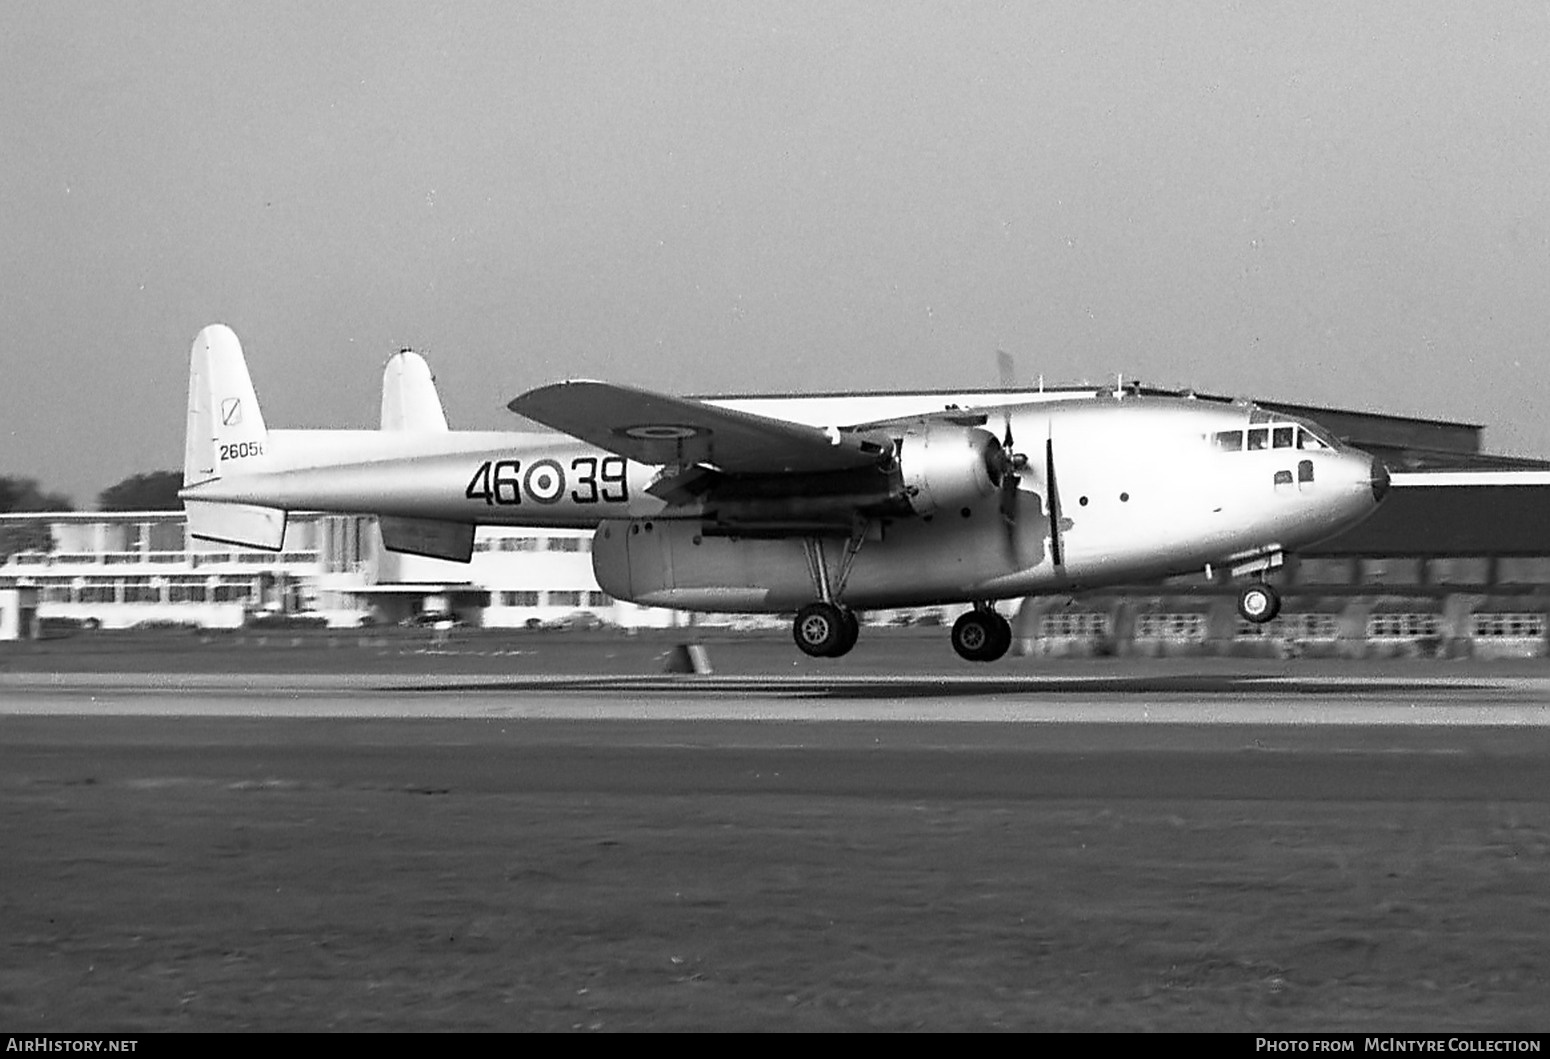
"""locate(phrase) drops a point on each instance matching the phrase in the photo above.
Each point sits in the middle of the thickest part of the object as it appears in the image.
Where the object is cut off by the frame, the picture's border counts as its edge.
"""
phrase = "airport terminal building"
(1456, 561)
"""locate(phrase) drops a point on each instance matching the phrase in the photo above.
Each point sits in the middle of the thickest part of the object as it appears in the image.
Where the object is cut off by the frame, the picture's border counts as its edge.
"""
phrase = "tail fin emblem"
(231, 411)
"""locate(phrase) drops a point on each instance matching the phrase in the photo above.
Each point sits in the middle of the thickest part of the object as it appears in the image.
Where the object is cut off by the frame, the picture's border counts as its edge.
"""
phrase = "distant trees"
(19, 496)
(152, 491)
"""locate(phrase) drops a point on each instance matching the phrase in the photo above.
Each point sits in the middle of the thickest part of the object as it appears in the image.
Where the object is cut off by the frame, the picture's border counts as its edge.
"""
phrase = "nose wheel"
(1259, 603)
(981, 635)
(825, 630)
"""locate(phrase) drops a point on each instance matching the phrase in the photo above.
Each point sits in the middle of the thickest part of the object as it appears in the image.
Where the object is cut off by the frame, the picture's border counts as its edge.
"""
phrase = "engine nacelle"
(945, 466)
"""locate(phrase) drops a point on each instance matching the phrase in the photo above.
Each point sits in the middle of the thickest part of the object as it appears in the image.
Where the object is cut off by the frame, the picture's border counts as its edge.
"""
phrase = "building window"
(564, 599)
(519, 599)
(97, 590)
(140, 590)
(235, 590)
(1508, 626)
(1170, 626)
(599, 599)
(1402, 626)
(519, 544)
(565, 544)
(1073, 625)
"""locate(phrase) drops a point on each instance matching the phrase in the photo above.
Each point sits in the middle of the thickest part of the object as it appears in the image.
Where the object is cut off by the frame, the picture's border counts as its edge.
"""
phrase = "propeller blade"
(1009, 501)
(1052, 502)
(1006, 369)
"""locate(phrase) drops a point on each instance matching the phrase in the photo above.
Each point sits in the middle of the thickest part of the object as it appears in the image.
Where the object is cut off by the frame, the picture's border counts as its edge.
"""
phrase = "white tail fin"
(226, 436)
(409, 398)
(226, 433)
(410, 403)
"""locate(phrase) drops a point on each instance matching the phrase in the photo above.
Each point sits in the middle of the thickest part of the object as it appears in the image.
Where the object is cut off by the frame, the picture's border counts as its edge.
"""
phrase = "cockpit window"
(1284, 437)
(1259, 438)
(1307, 439)
(1228, 440)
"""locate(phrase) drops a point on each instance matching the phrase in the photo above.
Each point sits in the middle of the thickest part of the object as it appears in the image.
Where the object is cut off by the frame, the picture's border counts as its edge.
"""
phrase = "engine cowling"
(944, 467)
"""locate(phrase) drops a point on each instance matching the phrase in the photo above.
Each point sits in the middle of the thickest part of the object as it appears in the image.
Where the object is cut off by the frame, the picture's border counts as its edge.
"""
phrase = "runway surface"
(1167, 850)
(1166, 698)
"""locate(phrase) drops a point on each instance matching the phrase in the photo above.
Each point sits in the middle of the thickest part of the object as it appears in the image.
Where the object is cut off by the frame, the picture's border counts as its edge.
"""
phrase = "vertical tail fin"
(226, 432)
(226, 435)
(409, 398)
(410, 403)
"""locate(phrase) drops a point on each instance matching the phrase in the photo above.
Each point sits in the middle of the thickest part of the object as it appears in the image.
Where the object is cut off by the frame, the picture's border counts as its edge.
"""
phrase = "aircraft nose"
(1380, 480)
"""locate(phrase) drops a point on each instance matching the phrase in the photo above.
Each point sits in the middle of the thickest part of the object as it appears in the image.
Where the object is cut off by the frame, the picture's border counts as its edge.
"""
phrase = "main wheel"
(981, 636)
(852, 633)
(1259, 603)
(1003, 639)
(821, 630)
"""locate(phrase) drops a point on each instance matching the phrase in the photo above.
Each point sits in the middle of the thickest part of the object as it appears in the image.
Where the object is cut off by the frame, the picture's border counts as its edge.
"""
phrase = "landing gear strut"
(981, 635)
(1259, 603)
(827, 629)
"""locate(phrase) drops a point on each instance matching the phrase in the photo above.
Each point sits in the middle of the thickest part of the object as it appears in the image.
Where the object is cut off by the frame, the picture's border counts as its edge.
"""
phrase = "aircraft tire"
(852, 633)
(1259, 603)
(981, 636)
(1003, 641)
(820, 630)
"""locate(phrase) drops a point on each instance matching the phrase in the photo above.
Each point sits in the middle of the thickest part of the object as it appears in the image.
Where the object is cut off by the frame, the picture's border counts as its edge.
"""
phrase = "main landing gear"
(1259, 603)
(826, 630)
(981, 635)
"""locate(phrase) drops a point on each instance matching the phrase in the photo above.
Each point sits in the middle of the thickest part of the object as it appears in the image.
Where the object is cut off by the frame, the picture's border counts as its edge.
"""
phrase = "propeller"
(1011, 481)
(1011, 462)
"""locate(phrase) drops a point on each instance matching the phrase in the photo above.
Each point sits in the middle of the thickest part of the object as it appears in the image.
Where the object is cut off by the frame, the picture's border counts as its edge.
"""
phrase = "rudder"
(226, 432)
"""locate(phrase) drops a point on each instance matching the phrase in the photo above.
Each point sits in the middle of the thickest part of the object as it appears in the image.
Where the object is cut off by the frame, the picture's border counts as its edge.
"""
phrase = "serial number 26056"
(591, 480)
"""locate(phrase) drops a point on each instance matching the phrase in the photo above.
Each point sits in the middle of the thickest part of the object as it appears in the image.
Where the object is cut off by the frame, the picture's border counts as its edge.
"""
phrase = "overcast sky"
(1338, 203)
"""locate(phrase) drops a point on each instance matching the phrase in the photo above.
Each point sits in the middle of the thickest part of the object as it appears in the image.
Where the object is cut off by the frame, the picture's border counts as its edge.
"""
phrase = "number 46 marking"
(501, 482)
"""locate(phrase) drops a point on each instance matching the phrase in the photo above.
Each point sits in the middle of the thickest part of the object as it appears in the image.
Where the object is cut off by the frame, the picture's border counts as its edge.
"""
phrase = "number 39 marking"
(504, 482)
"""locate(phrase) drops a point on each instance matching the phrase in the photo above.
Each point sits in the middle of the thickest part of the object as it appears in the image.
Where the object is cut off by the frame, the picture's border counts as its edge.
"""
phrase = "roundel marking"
(662, 431)
(544, 481)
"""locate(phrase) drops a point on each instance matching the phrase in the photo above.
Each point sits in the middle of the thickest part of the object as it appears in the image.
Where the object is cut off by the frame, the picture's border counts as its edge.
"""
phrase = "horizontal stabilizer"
(245, 524)
(431, 538)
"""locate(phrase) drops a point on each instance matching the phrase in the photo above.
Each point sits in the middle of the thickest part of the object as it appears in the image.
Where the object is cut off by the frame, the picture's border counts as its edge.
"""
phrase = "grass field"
(224, 874)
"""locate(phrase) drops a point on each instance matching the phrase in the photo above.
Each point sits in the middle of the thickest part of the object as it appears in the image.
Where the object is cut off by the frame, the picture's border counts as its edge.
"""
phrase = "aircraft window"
(1306, 439)
(1284, 436)
(1259, 438)
(1229, 440)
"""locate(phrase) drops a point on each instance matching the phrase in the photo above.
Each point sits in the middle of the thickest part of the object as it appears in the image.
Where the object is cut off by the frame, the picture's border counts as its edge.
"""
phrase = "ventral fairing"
(825, 506)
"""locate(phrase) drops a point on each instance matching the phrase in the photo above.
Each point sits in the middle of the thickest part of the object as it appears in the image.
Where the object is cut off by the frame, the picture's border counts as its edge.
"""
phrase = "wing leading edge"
(654, 428)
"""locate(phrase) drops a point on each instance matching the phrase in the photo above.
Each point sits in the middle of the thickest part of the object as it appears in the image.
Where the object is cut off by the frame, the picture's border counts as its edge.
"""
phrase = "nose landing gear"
(1259, 603)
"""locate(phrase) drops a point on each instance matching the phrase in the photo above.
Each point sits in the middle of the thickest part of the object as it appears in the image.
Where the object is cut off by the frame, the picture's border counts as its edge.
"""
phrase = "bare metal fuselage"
(1142, 492)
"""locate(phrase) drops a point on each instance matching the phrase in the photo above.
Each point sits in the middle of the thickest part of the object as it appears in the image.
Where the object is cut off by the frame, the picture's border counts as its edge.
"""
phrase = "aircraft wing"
(654, 428)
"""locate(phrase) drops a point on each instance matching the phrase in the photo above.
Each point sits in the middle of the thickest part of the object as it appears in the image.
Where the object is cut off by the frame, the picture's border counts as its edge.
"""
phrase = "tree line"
(151, 491)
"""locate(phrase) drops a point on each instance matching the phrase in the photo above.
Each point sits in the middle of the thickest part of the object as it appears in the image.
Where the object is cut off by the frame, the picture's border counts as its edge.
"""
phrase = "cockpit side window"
(1259, 438)
(1284, 436)
(1307, 439)
(1228, 440)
